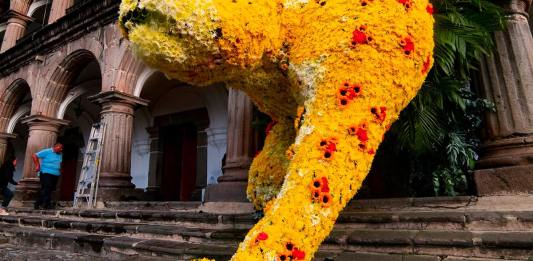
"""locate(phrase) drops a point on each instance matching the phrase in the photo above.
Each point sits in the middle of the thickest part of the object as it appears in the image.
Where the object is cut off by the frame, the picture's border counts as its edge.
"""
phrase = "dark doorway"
(179, 162)
(72, 141)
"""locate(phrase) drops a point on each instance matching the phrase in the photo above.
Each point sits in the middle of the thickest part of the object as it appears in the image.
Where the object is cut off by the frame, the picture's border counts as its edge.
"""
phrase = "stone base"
(119, 194)
(226, 192)
(504, 181)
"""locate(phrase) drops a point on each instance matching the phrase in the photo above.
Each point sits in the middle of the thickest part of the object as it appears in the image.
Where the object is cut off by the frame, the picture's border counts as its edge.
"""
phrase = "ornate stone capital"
(6, 136)
(18, 18)
(520, 7)
(118, 97)
(118, 102)
(39, 122)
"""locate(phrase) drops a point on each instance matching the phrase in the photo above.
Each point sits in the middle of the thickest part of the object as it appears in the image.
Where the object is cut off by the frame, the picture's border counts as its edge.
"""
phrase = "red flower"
(270, 126)
(426, 65)
(297, 254)
(358, 37)
(371, 151)
(362, 135)
(325, 186)
(430, 9)
(409, 45)
(262, 236)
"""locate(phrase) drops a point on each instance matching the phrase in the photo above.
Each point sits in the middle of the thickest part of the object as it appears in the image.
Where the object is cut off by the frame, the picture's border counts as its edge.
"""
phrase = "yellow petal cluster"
(299, 61)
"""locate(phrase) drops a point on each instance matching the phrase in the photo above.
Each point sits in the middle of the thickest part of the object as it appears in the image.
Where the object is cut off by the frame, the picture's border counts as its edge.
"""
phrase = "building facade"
(64, 66)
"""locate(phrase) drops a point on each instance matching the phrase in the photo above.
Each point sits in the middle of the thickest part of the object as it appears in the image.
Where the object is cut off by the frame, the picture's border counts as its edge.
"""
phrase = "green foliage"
(439, 128)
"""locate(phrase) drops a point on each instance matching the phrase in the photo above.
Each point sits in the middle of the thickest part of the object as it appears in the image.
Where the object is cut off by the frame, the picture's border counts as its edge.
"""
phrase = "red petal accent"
(262, 236)
(325, 186)
(297, 254)
(358, 37)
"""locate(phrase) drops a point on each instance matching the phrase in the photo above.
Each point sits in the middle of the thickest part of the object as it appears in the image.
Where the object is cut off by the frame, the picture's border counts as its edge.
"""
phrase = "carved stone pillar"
(43, 133)
(115, 165)
(16, 26)
(232, 184)
(506, 164)
(59, 9)
(4, 140)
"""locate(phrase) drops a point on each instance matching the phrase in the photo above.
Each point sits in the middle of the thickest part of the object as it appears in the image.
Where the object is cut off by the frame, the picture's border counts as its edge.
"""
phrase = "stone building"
(65, 66)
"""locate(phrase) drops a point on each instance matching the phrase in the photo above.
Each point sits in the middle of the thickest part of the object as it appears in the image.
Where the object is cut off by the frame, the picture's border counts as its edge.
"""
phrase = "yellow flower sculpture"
(333, 74)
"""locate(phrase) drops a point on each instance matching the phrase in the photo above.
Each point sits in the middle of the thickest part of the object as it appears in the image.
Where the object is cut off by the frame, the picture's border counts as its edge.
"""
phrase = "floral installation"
(332, 74)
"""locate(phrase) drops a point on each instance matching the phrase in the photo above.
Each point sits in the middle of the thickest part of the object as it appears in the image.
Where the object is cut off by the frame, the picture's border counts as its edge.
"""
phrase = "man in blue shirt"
(48, 165)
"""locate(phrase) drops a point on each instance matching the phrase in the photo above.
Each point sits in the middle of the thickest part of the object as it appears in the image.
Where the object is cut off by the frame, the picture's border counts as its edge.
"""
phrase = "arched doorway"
(175, 152)
(16, 101)
(84, 81)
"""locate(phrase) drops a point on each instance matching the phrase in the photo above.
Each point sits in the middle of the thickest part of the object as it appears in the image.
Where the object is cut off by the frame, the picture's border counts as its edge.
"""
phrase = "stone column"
(506, 164)
(115, 165)
(16, 26)
(59, 9)
(43, 134)
(232, 184)
(4, 140)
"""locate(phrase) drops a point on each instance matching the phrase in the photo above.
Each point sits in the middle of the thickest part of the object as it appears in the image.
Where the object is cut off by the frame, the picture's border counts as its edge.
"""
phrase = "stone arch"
(11, 98)
(61, 81)
(129, 70)
(35, 5)
(39, 11)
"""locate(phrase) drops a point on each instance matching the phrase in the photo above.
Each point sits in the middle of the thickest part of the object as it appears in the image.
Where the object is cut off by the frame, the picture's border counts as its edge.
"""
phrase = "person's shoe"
(3, 212)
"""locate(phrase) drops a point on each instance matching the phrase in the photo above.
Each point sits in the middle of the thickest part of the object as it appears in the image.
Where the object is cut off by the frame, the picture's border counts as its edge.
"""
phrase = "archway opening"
(16, 101)
(39, 11)
(81, 115)
(174, 152)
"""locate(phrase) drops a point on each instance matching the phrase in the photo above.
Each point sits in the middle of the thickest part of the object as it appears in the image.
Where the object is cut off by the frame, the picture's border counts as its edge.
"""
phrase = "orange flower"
(326, 200)
(315, 195)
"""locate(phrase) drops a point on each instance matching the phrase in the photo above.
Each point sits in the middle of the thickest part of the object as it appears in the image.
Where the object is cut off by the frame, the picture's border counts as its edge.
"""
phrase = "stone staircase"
(431, 229)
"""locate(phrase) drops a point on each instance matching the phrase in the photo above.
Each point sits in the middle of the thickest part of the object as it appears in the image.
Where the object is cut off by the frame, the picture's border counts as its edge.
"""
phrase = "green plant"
(439, 128)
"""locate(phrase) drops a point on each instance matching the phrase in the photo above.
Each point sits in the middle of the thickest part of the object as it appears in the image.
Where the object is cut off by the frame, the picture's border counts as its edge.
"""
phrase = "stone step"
(158, 216)
(384, 219)
(483, 244)
(159, 205)
(359, 245)
(112, 247)
(184, 233)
